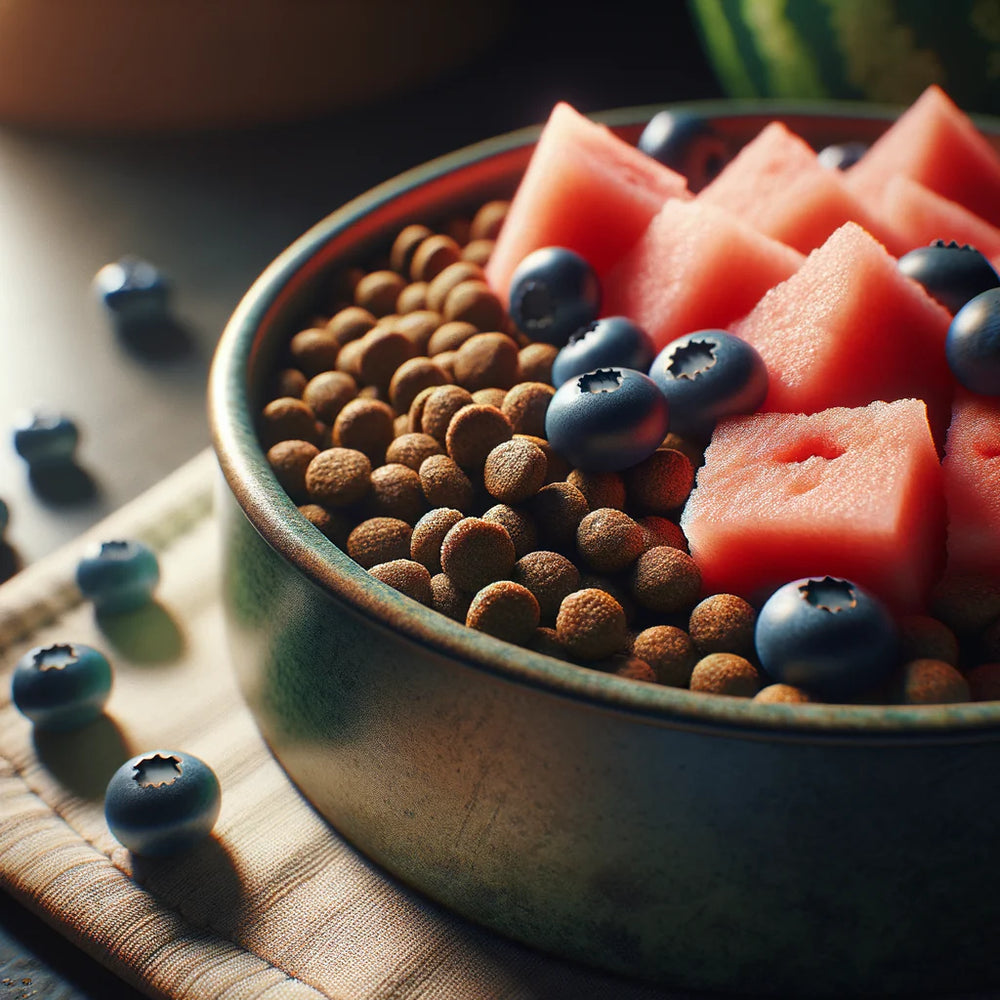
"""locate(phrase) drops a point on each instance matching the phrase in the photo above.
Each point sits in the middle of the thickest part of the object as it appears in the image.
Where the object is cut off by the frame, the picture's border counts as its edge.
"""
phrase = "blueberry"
(614, 340)
(685, 142)
(118, 575)
(607, 420)
(706, 376)
(973, 344)
(43, 439)
(61, 687)
(950, 273)
(133, 290)
(827, 636)
(553, 293)
(841, 155)
(162, 802)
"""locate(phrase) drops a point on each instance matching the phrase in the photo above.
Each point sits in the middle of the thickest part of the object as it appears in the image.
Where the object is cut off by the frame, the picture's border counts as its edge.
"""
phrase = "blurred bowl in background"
(885, 51)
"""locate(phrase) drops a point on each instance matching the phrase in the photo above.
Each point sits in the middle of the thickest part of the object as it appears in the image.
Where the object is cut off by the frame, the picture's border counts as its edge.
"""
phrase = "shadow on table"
(148, 635)
(84, 774)
(62, 484)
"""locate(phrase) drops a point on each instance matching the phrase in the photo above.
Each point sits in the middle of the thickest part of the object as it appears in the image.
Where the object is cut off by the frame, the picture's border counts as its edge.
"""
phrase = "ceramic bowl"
(697, 841)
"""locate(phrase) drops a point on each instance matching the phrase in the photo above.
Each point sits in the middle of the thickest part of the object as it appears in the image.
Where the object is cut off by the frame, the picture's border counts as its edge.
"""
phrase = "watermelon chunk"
(972, 486)
(850, 492)
(938, 145)
(848, 328)
(585, 188)
(695, 267)
(777, 184)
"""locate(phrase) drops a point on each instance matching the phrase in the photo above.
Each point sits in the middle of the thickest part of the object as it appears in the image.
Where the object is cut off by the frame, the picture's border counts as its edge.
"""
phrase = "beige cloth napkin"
(275, 905)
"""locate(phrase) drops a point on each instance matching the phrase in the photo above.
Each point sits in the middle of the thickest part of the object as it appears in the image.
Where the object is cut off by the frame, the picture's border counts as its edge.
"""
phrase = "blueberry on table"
(685, 142)
(827, 636)
(972, 345)
(133, 290)
(611, 341)
(42, 438)
(841, 155)
(949, 272)
(553, 293)
(61, 687)
(118, 575)
(161, 803)
(706, 376)
(607, 420)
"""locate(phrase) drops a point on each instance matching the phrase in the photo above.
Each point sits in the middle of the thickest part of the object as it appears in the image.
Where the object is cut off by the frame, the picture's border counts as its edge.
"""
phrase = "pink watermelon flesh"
(695, 267)
(777, 185)
(848, 328)
(934, 143)
(853, 493)
(586, 189)
(972, 486)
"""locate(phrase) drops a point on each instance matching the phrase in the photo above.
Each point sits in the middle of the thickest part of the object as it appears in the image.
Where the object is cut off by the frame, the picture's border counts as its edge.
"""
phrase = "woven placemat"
(275, 904)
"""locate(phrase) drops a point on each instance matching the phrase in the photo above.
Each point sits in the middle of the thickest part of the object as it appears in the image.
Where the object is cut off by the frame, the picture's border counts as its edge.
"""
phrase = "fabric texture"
(275, 905)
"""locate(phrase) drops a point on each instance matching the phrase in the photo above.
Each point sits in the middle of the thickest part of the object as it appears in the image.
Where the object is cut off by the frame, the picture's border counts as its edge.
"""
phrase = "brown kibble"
(558, 509)
(349, 358)
(661, 531)
(609, 540)
(444, 484)
(535, 362)
(410, 378)
(984, 682)
(383, 350)
(350, 323)
(591, 625)
(450, 336)
(338, 477)
(476, 552)
(506, 610)
(287, 418)
(775, 694)
(448, 599)
(519, 524)
(410, 449)
(367, 425)
(289, 460)
(487, 361)
(931, 682)
(406, 576)
(287, 382)
(458, 229)
(377, 292)
(966, 604)
(413, 298)
(694, 451)
(445, 360)
(400, 426)
(473, 301)
(514, 470)
(432, 256)
(550, 577)
(557, 468)
(601, 489)
(452, 276)
(396, 491)
(488, 220)
(415, 414)
(313, 351)
(614, 586)
(723, 623)
(379, 539)
(418, 327)
(490, 397)
(525, 405)
(924, 638)
(439, 407)
(328, 393)
(405, 246)
(478, 251)
(666, 580)
(725, 673)
(631, 667)
(332, 523)
(546, 641)
(473, 432)
(669, 651)
(660, 483)
(428, 534)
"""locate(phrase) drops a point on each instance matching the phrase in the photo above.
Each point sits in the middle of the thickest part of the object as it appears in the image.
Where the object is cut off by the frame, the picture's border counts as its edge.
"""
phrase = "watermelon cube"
(934, 143)
(850, 492)
(848, 328)
(695, 267)
(777, 184)
(972, 486)
(585, 188)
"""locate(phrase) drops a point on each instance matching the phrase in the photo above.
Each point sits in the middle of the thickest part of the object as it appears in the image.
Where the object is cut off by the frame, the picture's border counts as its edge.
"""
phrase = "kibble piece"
(334, 524)
(338, 477)
(546, 641)
(558, 509)
(474, 302)
(287, 418)
(445, 360)
(725, 673)
(410, 378)
(379, 539)
(432, 256)
(478, 251)
(669, 651)
(328, 393)
(557, 468)
(924, 638)
(631, 667)
(440, 405)
(289, 460)
(383, 350)
(448, 599)
(609, 540)
(418, 327)
(313, 351)
(377, 292)
(966, 604)
(614, 586)
(396, 491)
(349, 358)
(405, 246)
(449, 337)
(452, 276)
(458, 229)
(514, 470)
(692, 449)
(406, 576)
(931, 682)
(519, 524)
(525, 405)
(350, 323)
(366, 425)
(428, 534)
(662, 531)
(660, 483)
(287, 382)
(782, 693)
(984, 682)
(601, 489)
(550, 576)
(666, 580)
(591, 625)
(723, 623)
(535, 362)
(410, 449)
(476, 552)
(473, 432)
(445, 484)
(506, 610)
(487, 361)
(488, 220)
(413, 298)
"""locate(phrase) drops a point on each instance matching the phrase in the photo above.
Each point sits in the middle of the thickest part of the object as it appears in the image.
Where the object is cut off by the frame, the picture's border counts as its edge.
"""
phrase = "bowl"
(691, 840)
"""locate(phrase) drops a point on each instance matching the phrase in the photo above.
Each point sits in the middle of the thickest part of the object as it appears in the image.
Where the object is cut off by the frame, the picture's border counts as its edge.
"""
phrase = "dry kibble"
(289, 460)
(377, 292)
(413, 298)
(487, 361)
(334, 524)
(558, 509)
(313, 351)
(458, 229)
(379, 539)
(410, 449)
(661, 531)
(405, 246)
(660, 483)
(601, 489)
(350, 323)
(591, 625)
(349, 358)
(546, 641)
(504, 609)
(723, 623)
(633, 668)
(383, 350)
(725, 673)
(474, 302)
(450, 336)
(666, 580)
(432, 256)
(440, 405)
(669, 651)
(287, 418)
(446, 361)
(417, 326)
(931, 682)
(476, 552)
(366, 425)
(444, 484)
(489, 218)
(984, 682)
(396, 491)
(328, 393)
(410, 378)
(514, 470)
(448, 599)
(924, 638)
(428, 534)
(782, 693)
(489, 397)
(549, 576)
(452, 276)
(557, 467)
(535, 362)
(406, 576)
(694, 451)
(609, 540)
(287, 382)
(473, 432)
(519, 524)
(478, 251)
(614, 586)
(525, 405)
(966, 604)
(338, 477)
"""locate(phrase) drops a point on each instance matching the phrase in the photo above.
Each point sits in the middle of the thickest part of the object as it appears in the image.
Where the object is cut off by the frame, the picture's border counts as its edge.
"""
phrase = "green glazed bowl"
(696, 841)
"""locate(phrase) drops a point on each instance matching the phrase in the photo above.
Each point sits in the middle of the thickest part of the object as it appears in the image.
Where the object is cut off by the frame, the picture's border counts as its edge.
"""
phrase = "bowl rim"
(275, 517)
